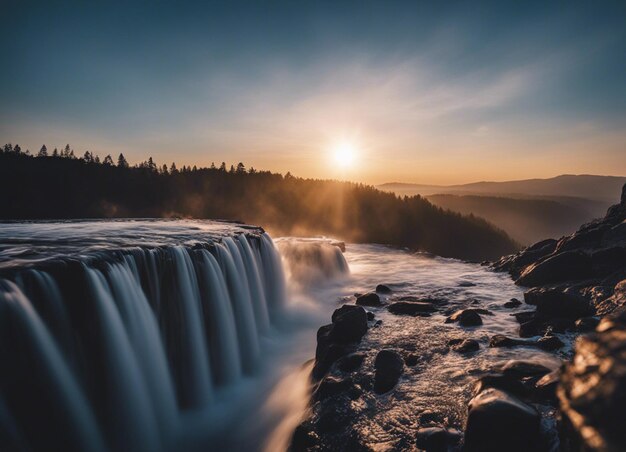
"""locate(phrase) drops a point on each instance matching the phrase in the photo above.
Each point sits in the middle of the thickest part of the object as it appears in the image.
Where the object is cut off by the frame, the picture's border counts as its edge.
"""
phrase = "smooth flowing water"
(195, 335)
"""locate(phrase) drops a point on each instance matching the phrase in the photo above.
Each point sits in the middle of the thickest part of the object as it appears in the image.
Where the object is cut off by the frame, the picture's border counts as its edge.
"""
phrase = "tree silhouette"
(121, 161)
(223, 167)
(173, 169)
(241, 168)
(55, 153)
(43, 152)
(108, 160)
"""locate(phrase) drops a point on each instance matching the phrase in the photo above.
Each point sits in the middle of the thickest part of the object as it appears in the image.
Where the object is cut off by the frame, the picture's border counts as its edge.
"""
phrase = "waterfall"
(110, 351)
(310, 262)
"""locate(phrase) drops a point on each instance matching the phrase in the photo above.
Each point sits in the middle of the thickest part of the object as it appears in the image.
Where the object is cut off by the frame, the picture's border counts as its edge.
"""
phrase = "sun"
(344, 154)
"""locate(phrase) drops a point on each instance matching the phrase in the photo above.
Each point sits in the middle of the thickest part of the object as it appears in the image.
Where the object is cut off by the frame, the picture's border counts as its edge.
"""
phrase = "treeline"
(61, 187)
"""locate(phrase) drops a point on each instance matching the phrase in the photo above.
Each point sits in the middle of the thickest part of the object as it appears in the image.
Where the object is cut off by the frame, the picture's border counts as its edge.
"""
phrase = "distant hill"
(526, 220)
(598, 188)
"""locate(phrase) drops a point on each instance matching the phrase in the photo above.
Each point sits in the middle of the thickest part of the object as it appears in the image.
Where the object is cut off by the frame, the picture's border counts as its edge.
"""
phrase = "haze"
(422, 94)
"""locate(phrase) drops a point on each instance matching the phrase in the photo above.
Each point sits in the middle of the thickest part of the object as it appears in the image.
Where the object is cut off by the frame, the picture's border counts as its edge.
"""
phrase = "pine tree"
(17, 149)
(88, 158)
(66, 151)
(241, 168)
(173, 168)
(223, 167)
(96, 159)
(121, 161)
(212, 165)
(55, 153)
(108, 160)
(151, 165)
(43, 152)
(164, 169)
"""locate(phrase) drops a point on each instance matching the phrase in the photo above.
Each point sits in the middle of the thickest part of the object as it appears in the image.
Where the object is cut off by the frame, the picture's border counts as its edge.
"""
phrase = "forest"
(59, 185)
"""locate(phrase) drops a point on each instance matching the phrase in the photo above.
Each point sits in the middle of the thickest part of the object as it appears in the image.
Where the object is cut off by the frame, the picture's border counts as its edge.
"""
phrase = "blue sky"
(424, 93)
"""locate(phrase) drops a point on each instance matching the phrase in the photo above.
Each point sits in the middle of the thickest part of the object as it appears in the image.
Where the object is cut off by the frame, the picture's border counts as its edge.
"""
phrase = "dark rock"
(381, 288)
(498, 421)
(608, 260)
(520, 369)
(586, 324)
(326, 355)
(304, 438)
(466, 317)
(349, 324)
(432, 439)
(331, 386)
(466, 284)
(466, 346)
(411, 359)
(546, 385)
(389, 366)
(513, 303)
(566, 266)
(555, 303)
(378, 323)
(500, 340)
(351, 362)
(524, 316)
(411, 308)
(592, 392)
(550, 343)
(370, 316)
(369, 299)
(507, 383)
(516, 263)
(334, 417)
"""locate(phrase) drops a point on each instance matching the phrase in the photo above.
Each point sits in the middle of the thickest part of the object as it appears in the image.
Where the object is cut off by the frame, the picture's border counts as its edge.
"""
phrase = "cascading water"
(114, 349)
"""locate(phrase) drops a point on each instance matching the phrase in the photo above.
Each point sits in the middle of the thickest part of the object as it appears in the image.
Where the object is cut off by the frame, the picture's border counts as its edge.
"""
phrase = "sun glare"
(344, 154)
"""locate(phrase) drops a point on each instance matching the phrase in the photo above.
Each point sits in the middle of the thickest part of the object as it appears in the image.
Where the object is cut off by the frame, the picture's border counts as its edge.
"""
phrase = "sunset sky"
(473, 91)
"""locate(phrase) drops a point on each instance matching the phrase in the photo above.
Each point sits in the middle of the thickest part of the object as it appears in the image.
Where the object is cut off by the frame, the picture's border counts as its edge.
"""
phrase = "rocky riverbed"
(444, 368)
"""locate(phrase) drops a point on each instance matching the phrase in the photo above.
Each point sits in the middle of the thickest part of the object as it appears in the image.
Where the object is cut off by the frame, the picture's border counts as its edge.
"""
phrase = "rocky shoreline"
(577, 286)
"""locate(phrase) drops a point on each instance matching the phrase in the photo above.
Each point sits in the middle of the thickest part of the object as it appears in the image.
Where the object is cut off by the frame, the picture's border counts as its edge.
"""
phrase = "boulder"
(506, 383)
(550, 343)
(411, 308)
(498, 421)
(368, 299)
(592, 392)
(389, 366)
(521, 369)
(556, 303)
(500, 340)
(466, 284)
(512, 303)
(349, 324)
(466, 317)
(608, 260)
(436, 439)
(466, 346)
(566, 266)
(381, 288)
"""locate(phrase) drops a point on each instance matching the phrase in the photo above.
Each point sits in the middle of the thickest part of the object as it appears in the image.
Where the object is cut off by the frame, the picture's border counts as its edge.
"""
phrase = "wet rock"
(369, 299)
(370, 316)
(586, 324)
(507, 383)
(349, 324)
(411, 359)
(520, 369)
(411, 308)
(565, 266)
(378, 323)
(436, 439)
(334, 417)
(539, 327)
(466, 317)
(331, 386)
(500, 340)
(381, 288)
(389, 366)
(546, 385)
(498, 421)
(550, 343)
(304, 438)
(466, 284)
(592, 392)
(466, 346)
(555, 303)
(608, 260)
(351, 362)
(516, 263)
(512, 303)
